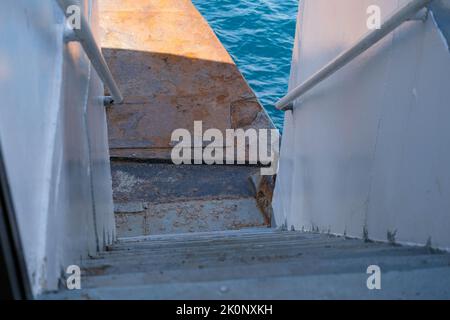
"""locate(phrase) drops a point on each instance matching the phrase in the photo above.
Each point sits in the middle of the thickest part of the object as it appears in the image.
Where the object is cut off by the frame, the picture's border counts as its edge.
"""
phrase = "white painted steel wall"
(54, 138)
(369, 148)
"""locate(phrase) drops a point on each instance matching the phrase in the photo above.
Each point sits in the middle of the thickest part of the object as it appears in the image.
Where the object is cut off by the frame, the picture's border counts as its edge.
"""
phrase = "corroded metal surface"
(172, 70)
(264, 186)
(153, 198)
(190, 216)
(147, 182)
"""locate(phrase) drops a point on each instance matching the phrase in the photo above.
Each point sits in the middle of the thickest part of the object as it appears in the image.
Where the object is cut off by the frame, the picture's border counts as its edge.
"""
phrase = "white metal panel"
(368, 147)
(48, 91)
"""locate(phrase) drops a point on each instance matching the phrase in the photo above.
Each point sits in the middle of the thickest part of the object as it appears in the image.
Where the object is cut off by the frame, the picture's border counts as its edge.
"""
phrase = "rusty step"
(160, 198)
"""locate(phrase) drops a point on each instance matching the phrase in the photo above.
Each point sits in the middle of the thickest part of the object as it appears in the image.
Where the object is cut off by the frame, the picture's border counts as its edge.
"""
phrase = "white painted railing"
(84, 36)
(399, 17)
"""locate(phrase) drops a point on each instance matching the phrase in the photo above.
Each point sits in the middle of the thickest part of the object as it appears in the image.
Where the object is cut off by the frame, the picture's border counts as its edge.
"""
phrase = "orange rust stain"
(172, 70)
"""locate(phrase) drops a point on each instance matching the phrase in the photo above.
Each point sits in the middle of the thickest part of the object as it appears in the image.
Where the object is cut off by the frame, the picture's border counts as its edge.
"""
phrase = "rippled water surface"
(259, 35)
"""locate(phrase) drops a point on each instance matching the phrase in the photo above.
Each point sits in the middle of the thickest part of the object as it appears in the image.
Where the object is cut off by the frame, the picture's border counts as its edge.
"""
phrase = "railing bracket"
(289, 107)
(108, 101)
(70, 35)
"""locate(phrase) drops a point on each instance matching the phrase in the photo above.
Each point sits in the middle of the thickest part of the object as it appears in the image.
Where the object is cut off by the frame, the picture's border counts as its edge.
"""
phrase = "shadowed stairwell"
(206, 232)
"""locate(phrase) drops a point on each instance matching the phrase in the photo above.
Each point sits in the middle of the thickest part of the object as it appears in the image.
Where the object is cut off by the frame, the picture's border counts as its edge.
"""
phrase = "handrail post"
(84, 36)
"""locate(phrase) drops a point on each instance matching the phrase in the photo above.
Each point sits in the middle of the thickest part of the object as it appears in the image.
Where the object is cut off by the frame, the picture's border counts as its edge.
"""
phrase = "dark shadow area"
(164, 92)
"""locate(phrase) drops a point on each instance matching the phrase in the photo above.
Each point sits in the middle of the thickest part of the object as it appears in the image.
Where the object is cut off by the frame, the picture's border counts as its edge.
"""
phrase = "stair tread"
(254, 257)
(410, 284)
(269, 267)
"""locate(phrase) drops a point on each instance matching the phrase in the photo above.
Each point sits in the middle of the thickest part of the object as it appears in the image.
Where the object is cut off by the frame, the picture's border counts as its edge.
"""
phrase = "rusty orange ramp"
(172, 70)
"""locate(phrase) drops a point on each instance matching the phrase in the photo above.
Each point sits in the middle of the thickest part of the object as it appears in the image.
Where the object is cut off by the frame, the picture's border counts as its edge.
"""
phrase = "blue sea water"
(259, 35)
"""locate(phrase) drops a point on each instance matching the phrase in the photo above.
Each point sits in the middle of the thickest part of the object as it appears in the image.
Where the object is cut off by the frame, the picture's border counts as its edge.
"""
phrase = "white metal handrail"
(366, 42)
(86, 38)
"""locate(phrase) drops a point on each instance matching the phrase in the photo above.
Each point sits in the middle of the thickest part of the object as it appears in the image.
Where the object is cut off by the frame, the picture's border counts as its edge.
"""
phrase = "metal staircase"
(162, 211)
(259, 264)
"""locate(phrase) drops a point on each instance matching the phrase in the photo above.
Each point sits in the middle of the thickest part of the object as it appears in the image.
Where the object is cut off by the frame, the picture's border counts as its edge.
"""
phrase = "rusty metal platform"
(172, 70)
